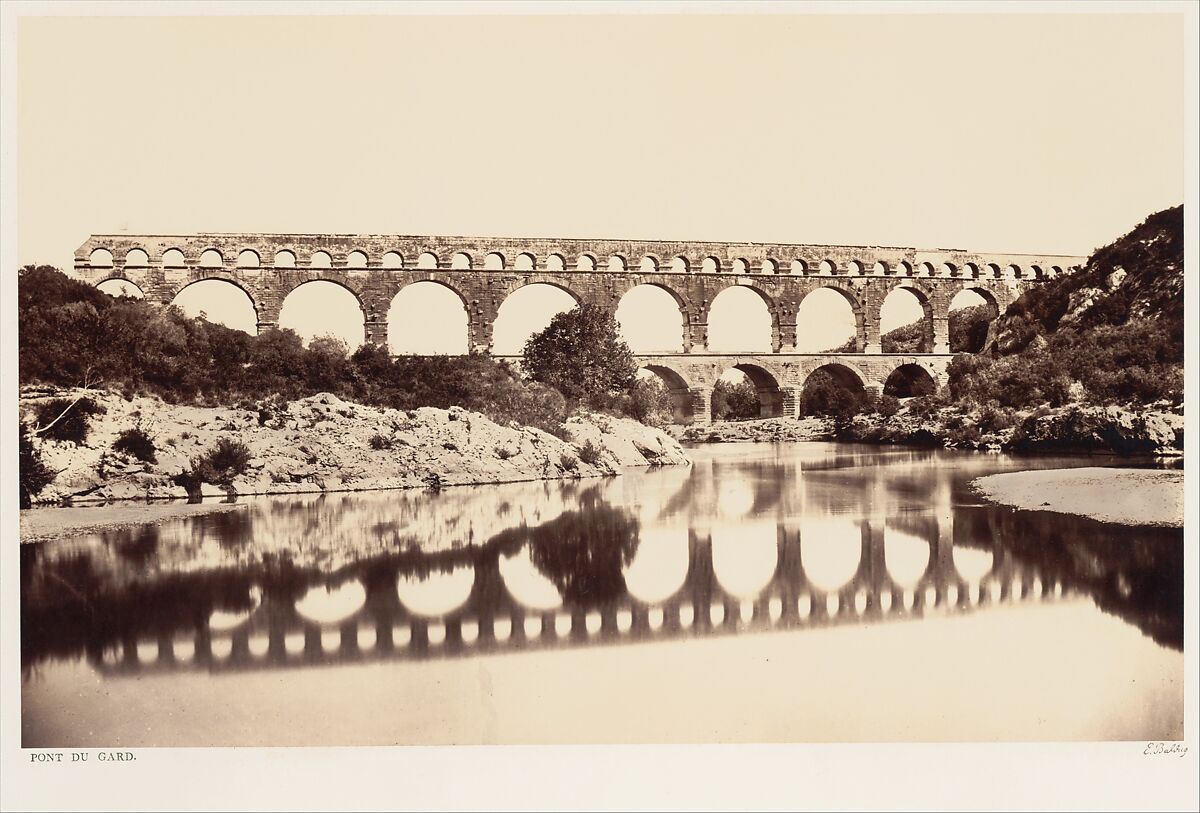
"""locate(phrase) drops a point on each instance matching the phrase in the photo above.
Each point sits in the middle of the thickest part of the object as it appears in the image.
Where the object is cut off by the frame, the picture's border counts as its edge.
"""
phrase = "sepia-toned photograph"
(665, 375)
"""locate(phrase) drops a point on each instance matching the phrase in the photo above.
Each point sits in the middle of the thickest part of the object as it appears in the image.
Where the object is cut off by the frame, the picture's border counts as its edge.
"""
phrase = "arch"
(525, 583)
(585, 262)
(908, 381)
(971, 312)
(428, 318)
(211, 258)
(994, 271)
(798, 268)
(527, 310)
(831, 389)
(829, 319)
(971, 270)
(428, 261)
(905, 555)
(221, 301)
(740, 267)
(880, 269)
(494, 261)
(904, 269)
(925, 269)
(710, 265)
(648, 264)
(438, 594)
(392, 260)
(682, 401)
(284, 259)
(1056, 270)
(173, 258)
(525, 262)
(854, 268)
(248, 258)
(461, 261)
(741, 318)
(320, 259)
(329, 605)
(827, 268)
(660, 564)
(906, 321)
(137, 258)
(768, 266)
(100, 258)
(617, 264)
(1013, 271)
(768, 393)
(830, 550)
(555, 262)
(949, 270)
(356, 259)
(650, 319)
(323, 307)
(680, 265)
(119, 286)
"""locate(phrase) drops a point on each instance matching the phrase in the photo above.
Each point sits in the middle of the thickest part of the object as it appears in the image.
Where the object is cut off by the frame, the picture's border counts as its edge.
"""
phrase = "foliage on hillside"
(968, 331)
(735, 402)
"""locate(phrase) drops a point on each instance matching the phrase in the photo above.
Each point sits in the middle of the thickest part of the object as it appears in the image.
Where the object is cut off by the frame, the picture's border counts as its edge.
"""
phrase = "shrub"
(735, 402)
(379, 442)
(504, 452)
(34, 474)
(136, 442)
(589, 453)
(67, 419)
(581, 354)
(568, 462)
(220, 465)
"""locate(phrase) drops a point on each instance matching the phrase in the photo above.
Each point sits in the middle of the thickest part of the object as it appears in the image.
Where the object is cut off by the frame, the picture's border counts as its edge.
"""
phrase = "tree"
(581, 355)
(735, 402)
(34, 474)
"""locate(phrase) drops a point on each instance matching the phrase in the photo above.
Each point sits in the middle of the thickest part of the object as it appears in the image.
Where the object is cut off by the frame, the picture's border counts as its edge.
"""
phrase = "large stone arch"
(680, 389)
(772, 394)
(436, 328)
(925, 298)
(852, 299)
(368, 308)
(679, 300)
(910, 379)
(229, 279)
(767, 300)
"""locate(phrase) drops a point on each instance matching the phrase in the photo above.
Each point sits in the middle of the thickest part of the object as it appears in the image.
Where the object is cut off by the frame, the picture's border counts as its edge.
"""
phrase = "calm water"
(793, 592)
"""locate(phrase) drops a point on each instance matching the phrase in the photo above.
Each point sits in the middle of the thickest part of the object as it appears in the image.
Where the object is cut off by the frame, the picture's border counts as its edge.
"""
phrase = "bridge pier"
(701, 404)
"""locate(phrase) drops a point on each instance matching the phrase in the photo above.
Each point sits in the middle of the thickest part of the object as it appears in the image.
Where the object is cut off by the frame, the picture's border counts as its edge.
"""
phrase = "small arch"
(392, 260)
(909, 381)
(925, 269)
(971, 270)
(828, 268)
(555, 262)
(427, 261)
(904, 269)
(1056, 270)
(768, 266)
(356, 259)
(1013, 271)
(1036, 272)
(616, 263)
(710, 265)
(137, 258)
(173, 258)
(880, 269)
(100, 258)
(248, 258)
(854, 268)
(493, 262)
(949, 270)
(524, 262)
(284, 259)
(586, 262)
(461, 261)
(798, 268)
(648, 265)
(211, 258)
(118, 287)
(320, 259)
(740, 267)
(994, 271)
(679, 265)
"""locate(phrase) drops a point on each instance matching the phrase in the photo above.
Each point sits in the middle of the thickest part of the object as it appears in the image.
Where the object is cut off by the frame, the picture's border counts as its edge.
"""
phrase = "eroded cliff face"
(323, 443)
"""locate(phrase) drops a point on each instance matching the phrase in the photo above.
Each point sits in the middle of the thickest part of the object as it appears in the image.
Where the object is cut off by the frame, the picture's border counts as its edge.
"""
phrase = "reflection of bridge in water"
(471, 605)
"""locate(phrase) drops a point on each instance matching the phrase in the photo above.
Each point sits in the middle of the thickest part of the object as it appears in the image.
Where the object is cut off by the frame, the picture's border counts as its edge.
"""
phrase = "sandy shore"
(1124, 496)
(40, 524)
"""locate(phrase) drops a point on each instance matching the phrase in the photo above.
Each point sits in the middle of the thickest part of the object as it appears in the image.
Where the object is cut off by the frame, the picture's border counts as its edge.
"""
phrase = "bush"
(735, 402)
(34, 474)
(581, 354)
(379, 442)
(568, 462)
(136, 442)
(67, 419)
(220, 465)
(589, 453)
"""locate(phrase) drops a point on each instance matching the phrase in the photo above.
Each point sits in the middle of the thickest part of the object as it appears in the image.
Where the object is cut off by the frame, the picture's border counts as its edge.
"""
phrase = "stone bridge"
(483, 272)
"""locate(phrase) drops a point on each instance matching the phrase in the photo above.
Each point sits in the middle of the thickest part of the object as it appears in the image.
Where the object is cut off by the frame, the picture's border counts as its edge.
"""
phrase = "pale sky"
(1025, 133)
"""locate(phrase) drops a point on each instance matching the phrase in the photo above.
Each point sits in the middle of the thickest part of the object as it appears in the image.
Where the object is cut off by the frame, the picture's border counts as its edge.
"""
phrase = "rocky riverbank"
(769, 430)
(322, 443)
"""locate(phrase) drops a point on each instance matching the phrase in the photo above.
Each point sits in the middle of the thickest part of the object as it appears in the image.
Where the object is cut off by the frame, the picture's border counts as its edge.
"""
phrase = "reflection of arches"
(660, 564)
(324, 307)
(902, 307)
(329, 605)
(438, 594)
(427, 318)
(221, 301)
(740, 319)
(100, 257)
(745, 555)
(650, 320)
(137, 258)
(905, 556)
(828, 319)
(909, 380)
(972, 564)
(173, 258)
(118, 286)
(526, 311)
(526, 583)
(830, 551)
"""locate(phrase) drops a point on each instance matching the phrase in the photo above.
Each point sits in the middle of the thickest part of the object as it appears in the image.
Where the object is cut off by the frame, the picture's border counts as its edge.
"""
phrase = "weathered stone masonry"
(484, 271)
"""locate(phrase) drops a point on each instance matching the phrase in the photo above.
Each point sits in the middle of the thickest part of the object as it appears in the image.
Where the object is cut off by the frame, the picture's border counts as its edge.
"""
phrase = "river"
(804, 592)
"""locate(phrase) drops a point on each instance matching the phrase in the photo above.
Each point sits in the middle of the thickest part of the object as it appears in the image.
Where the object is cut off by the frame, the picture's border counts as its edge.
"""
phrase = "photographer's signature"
(1165, 748)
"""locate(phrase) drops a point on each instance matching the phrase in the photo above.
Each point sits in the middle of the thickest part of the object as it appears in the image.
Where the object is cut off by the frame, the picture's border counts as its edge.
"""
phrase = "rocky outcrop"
(1111, 428)
(323, 443)
(769, 430)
